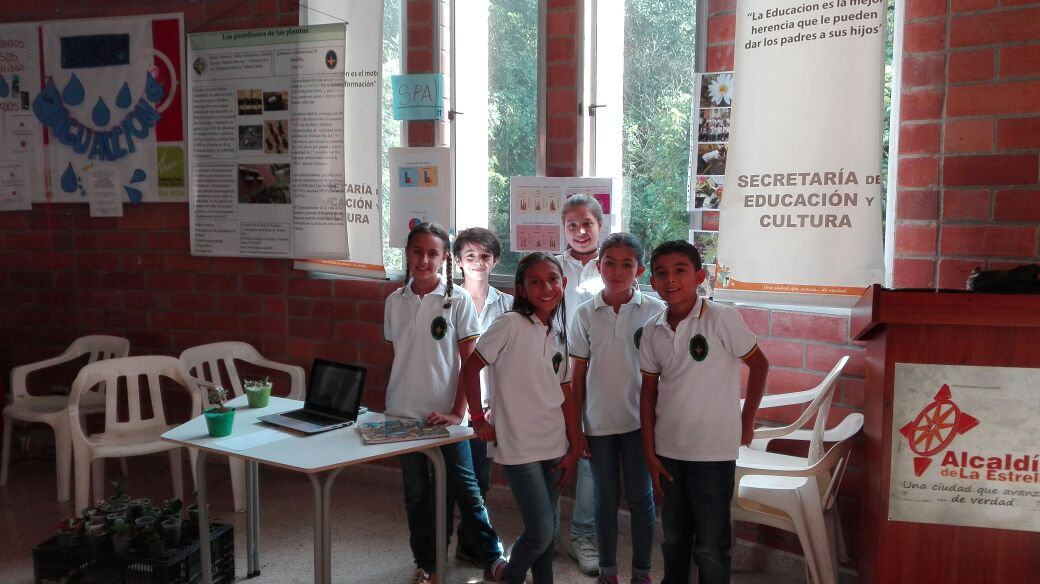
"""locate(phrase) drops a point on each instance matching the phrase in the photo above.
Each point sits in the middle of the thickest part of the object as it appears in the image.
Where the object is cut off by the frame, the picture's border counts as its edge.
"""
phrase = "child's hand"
(439, 419)
(747, 434)
(657, 471)
(485, 431)
(585, 452)
(567, 464)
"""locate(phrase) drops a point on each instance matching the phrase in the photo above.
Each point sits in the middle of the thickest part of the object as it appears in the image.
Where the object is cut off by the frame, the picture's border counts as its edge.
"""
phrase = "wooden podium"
(942, 328)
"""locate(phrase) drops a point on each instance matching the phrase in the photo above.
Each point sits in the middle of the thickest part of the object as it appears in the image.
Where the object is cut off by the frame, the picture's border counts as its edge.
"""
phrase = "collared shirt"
(497, 304)
(583, 281)
(426, 337)
(528, 366)
(610, 342)
(698, 394)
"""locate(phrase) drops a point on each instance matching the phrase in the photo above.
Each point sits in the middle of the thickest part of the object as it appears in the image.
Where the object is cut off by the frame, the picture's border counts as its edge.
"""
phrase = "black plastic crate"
(180, 565)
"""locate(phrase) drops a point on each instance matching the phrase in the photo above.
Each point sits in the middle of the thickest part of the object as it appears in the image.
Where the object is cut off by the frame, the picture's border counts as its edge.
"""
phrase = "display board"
(534, 209)
(420, 190)
(802, 211)
(93, 111)
(964, 451)
(265, 118)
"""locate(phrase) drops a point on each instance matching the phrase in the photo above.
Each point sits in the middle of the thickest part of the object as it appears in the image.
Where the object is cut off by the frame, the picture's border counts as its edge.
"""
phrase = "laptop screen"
(335, 388)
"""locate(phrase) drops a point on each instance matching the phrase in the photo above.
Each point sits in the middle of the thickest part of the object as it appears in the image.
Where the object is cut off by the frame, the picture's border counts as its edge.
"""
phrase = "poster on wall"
(535, 205)
(420, 190)
(265, 119)
(94, 109)
(801, 217)
(963, 452)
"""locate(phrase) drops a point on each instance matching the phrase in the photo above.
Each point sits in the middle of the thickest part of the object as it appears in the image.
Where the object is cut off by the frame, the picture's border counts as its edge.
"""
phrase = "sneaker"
(497, 571)
(424, 577)
(583, 550)
(607, 580)
(642, 580)
(464, 555)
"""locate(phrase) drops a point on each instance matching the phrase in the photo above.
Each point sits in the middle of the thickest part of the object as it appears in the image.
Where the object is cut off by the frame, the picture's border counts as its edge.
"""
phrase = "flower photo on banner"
(717, 90)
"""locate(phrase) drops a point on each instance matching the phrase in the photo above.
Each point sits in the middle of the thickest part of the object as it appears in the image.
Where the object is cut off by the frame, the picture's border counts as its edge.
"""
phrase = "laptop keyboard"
(312, 417)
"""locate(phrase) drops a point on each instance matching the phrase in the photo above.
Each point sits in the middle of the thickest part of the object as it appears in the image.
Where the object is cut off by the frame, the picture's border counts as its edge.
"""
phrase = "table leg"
(437, 459)
(252, 519)
(321, 485)
(203, 503)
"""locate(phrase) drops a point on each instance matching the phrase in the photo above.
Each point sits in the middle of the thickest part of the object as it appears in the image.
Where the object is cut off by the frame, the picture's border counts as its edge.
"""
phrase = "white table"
(320, 456)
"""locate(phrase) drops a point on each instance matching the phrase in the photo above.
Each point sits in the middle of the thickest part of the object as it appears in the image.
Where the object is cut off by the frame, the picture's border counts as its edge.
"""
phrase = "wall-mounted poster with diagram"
(420, 190)
(535, 204)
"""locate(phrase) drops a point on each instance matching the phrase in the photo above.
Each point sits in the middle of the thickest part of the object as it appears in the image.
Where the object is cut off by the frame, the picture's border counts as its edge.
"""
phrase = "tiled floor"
(369, 532)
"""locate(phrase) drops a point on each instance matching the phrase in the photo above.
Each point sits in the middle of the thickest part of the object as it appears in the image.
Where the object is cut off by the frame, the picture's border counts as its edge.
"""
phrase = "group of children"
(579, 369)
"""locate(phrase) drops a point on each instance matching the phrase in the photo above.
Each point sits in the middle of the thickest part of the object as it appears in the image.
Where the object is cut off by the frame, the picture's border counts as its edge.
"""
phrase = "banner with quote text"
(801, 219)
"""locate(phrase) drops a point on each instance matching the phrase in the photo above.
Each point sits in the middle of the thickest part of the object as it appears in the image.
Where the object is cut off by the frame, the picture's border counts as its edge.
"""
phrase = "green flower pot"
(258, 395)
(219, 423)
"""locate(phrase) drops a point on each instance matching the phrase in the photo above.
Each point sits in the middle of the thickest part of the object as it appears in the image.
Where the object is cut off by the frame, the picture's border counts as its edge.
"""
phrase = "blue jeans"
(696, 509)
(616, 457)
(536, 489)
(583, 518)
(482, 468)
(420, 507)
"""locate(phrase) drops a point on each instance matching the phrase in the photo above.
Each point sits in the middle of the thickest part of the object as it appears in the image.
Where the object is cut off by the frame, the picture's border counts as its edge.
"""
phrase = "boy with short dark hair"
(690, 356)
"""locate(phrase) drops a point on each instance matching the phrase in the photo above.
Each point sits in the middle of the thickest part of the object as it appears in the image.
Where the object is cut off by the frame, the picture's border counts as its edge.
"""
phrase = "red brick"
(917, 205)
(853, 392)
(913, 273)
(797, 325)
(972, 5)
(972, 66)
(989, 240)
(97, 261)
(274, 304)
(310, 328)
(922, 71)
(919, 139)
(967, 136)
(717, 6)
(170, 241)
(924, 36)
(209, 282)
(126, 318)
(123, 280)
(179, 320)
(958, 204)
(993, 99)
(14, 220)
(169, 281)
(786, 381)
(420, 35)
(237, 265)
(1021, 61)
(185, 263)
(143, 261)
(53, 260)
(193, 301)
(1018, 133)
(241, 304)
(376, 353)
(102, 299)
(219, 323)
(924, 8)
(720, 57)
(313, 288)
(916, 238)
(953, 274)
(561, 49)
(420, 10)
(721, 28)
(336, 351)
(334, 309)
(358, 331)
(561, 152)
(371, 311)
(561, 75)
(560, 23)
(823, 358)
(119, 240)
(28, 241)
(561, 101)
(145, 300)
(263, 284)
(991, 170)
(918, 172)
(783, 353)
(756, 319)
(1017, 206)
(1003, 27)
(563, 128)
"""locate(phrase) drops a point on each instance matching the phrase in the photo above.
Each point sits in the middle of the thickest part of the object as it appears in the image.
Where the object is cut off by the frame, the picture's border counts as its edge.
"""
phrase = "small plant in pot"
(219, 419)
(139, 507)
(119, 497)
(68, 531)
(97, 535)
(172, 507)
(193, 513)
(153, 542)
(171, 521)
(122, 535)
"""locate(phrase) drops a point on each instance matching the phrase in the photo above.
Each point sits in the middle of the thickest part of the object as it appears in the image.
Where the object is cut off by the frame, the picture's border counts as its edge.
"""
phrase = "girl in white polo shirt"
(432, 326)
(532, 423)
(604, 344)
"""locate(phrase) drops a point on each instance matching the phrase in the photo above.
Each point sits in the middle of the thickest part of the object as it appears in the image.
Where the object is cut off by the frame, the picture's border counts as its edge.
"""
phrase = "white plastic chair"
(53, 409)
(795, 497)
(215, 363)
(130, 382)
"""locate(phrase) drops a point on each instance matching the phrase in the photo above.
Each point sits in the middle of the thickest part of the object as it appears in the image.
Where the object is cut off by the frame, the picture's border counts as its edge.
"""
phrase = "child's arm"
(458, 408)
(469, 379)
(648, 421)
(575, 439)
(579, 369)
(756, 386)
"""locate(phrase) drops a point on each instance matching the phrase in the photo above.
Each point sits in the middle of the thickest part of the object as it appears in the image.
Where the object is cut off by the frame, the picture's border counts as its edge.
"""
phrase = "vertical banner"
(265, 113)
(802, 213)
(420, 190)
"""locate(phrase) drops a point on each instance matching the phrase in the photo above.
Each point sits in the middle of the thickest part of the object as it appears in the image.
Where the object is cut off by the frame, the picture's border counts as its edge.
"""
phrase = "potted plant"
(119, 497)
(153, 543)
(139, 506)
(171, 527)
(193, 512)
(122, 535)
(97, 535)
(219, 419)
(68, 531)
(171, 507)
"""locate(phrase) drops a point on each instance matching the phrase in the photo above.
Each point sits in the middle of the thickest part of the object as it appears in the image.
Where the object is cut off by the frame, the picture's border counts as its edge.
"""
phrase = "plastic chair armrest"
(295, 372)
(19, 374)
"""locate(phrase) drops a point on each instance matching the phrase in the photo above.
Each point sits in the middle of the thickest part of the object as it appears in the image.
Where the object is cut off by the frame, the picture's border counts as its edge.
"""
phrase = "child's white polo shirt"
(583, 281)
(497, 304)
(528, 363)
(698, 394)
(426, 337)
(610, 343)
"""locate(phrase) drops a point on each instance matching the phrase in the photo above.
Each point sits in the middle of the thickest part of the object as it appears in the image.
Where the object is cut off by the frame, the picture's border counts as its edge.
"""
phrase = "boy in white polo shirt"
(692, 423)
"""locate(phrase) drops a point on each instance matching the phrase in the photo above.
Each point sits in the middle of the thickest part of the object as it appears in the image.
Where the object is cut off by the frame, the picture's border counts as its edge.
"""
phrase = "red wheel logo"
(935, 427)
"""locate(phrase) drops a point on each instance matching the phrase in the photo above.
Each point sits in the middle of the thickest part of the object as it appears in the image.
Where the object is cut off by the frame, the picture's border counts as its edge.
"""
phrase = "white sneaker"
(584, 552)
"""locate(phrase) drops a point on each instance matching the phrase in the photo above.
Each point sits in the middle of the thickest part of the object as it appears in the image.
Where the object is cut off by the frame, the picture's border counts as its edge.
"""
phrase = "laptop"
(333, 399)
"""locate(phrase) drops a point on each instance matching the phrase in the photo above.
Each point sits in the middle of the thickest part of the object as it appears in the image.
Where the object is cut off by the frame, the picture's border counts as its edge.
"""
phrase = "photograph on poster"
(717, 90)
(604, 201)
(263, 184)
(276, 136)
(710, 221)
(276, 101)
(708, 194)
(711, 158)
(250, 102)
(713, 125)
(707, 243)
(250, 137)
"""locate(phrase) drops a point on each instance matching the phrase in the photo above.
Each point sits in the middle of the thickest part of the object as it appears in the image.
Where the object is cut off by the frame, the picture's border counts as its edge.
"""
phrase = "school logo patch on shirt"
(638, 336)
(438, 327)
(557, 359)
(699, 348)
